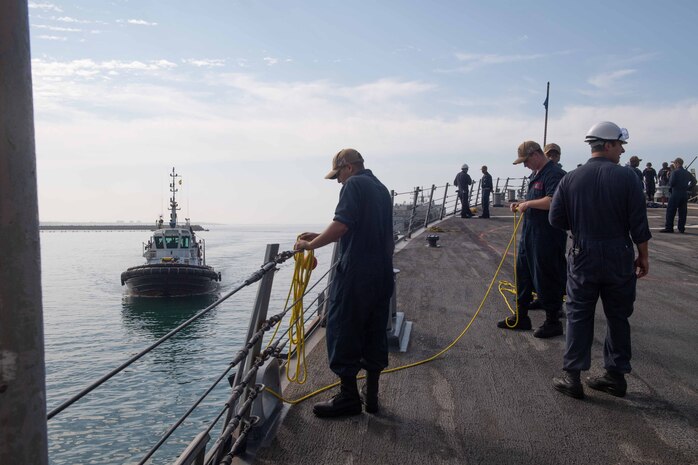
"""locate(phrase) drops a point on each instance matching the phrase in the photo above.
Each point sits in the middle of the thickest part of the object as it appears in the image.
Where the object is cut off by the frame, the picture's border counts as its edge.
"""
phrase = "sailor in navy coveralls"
(680, 183)
(540, 264)
(359, 296)
(601, 205)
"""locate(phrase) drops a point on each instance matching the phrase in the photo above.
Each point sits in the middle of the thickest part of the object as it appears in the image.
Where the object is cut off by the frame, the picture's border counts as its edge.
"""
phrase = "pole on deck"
(545, 104)
(22, 373)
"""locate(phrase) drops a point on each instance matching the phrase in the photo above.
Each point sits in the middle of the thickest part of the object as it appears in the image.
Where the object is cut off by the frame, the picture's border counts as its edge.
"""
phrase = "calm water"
(91, 327)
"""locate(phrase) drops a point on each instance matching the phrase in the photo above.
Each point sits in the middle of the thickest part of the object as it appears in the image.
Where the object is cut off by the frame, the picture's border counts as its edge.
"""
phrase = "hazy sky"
(250, 100)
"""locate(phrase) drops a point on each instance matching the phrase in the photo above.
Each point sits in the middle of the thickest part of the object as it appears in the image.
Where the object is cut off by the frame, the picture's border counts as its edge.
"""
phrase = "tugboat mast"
(173, 202)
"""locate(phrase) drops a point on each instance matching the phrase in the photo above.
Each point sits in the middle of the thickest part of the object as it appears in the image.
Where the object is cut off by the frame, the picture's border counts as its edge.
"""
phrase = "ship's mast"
(173, 202)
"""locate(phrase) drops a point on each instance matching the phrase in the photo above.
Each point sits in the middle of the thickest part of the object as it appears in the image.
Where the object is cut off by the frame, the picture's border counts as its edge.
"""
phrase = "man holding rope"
(359, 299)
(540, 264)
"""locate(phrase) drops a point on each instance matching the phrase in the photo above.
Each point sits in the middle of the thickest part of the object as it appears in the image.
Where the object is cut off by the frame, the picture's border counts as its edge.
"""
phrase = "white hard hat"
(464, 167)
(606, 130)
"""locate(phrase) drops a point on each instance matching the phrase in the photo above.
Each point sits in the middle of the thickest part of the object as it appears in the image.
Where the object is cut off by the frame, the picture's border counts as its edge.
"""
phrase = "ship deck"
(489, 400)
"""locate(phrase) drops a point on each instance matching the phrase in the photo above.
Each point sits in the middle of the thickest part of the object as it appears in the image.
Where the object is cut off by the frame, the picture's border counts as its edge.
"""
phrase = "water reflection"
(158, 316)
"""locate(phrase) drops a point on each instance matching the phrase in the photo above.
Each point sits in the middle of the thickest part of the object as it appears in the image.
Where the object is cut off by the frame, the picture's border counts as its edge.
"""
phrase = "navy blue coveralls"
(650, 176)
(359, 298)
(540, 264)
(462, 182)
(680, 182)
(486, 189)
(606, 212)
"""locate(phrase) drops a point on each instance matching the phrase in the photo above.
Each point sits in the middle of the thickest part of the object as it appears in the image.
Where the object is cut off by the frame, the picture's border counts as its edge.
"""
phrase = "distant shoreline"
(107, 227)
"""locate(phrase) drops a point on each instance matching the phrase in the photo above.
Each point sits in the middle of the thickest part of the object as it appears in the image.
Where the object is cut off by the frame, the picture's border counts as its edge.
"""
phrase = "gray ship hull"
(170, 280)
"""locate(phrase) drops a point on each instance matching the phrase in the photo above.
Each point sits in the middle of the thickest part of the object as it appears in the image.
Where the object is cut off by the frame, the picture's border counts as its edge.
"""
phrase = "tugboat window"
(185, 242)
(171, 242)
(159, 242)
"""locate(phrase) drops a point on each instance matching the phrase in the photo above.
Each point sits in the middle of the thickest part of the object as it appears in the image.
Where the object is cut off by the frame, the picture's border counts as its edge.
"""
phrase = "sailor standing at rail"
(463, 182)
(359, 299)
(601, 204)
(540, 264)
(486, 190)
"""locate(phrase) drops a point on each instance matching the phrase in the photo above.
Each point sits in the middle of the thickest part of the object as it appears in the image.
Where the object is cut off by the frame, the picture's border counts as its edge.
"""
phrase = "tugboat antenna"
(173, 202)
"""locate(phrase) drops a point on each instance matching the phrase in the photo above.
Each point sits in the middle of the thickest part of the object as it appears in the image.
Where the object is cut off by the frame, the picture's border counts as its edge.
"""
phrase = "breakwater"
(107, 227)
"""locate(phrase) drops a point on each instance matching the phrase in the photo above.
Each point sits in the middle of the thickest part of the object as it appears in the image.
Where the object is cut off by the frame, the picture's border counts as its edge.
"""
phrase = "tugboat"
(175, 261)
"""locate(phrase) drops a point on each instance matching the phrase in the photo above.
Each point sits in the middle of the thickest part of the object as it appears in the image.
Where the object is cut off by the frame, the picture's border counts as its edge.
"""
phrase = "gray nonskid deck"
(489, 400)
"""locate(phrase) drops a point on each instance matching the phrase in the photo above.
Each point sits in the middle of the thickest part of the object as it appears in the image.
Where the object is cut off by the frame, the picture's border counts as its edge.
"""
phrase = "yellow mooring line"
(297, 317)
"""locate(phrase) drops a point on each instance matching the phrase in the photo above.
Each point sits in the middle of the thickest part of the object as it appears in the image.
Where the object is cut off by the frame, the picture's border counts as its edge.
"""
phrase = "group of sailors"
(601, 204)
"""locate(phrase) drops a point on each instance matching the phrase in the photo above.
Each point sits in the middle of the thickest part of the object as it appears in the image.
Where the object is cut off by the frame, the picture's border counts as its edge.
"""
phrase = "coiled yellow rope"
(506, 286)
(305, 262)
(517, 222)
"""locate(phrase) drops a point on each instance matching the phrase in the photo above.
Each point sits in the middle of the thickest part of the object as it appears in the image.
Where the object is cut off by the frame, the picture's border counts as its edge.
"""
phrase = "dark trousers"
(606, 270)
(465, 204)
(357, 321)
(485, 203)
(651, 189)
(677, 202)
(540, 267)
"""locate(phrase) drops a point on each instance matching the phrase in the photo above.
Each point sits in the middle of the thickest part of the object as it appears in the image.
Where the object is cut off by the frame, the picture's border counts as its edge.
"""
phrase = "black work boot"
(510, 322)
(346, 402)
(551, 327)
(569, 384)
(611, 382)
(369, 392)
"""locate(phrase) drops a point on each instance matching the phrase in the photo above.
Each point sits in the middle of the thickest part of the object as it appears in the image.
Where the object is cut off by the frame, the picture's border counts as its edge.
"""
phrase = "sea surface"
(91, 327)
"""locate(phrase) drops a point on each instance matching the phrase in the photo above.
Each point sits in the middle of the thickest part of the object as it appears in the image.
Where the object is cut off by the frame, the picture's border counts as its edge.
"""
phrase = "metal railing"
(420, 207)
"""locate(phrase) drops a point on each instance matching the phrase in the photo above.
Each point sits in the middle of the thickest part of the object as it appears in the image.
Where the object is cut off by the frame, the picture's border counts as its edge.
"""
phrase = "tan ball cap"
(550, 147)
(343, 158)
(525, 151)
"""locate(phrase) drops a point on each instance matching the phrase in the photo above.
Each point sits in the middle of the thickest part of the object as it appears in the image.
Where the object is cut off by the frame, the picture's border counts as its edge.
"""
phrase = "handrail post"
(414, 212)
(261, 303)
(393, 194)
(23, 435)
(477, 193)
(431, 197)
(496, 186)
(523, 185)
(259, 314)
(443, 204)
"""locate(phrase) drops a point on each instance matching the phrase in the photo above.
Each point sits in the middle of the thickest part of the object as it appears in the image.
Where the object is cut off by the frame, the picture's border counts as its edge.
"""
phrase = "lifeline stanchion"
(517, 222)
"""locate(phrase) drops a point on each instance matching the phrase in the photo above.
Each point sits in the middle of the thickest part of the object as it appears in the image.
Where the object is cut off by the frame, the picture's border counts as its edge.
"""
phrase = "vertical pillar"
(22, 373)
(431, 199)
(443, 203)
(414, 212)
